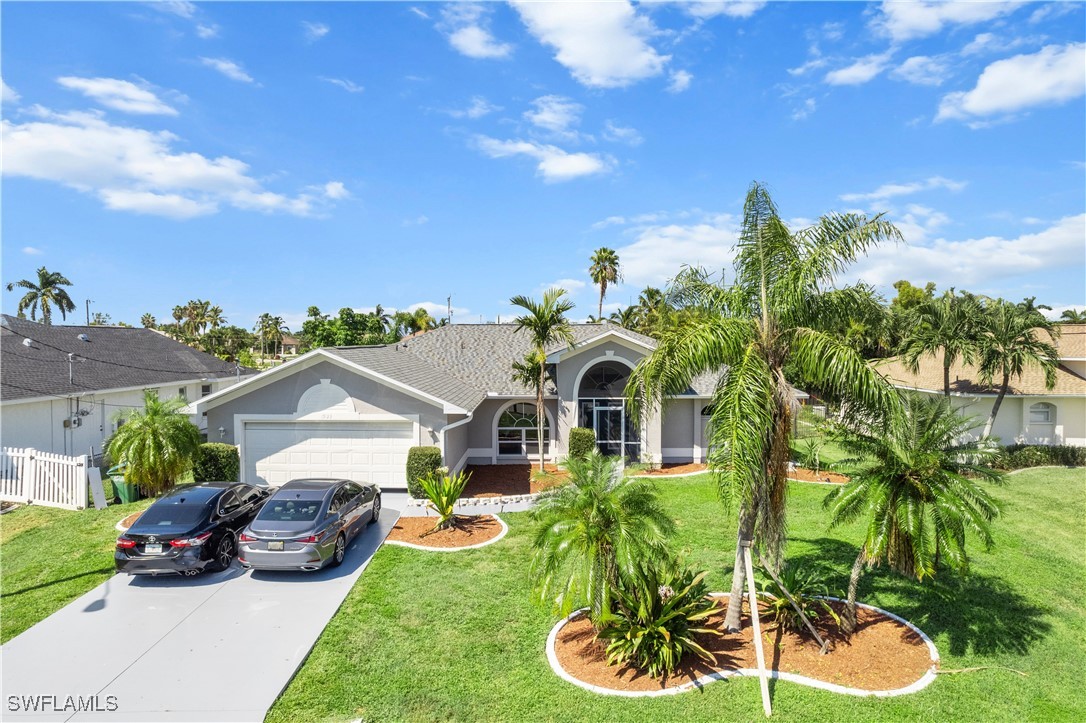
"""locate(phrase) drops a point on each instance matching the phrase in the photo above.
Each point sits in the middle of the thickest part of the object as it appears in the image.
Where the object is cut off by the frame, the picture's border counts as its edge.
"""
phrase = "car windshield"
(173, 515)
(298, 510)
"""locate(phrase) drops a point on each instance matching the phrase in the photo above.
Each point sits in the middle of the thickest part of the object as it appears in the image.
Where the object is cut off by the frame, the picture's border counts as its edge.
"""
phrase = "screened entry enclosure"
(601, 408)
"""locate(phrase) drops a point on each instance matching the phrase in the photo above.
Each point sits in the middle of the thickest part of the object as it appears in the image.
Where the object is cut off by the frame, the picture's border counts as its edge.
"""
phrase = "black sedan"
(189, 530)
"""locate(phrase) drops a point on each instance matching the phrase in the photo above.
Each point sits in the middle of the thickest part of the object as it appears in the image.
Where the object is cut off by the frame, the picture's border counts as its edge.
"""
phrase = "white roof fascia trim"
(992, 395)
(592, 342)
(259, 379)
(118, 390)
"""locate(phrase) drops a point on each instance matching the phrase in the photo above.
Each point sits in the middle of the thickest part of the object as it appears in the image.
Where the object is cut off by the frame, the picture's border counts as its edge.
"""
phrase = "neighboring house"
(355, 411)
(290, 344)
(61, 387)
(1031, 413)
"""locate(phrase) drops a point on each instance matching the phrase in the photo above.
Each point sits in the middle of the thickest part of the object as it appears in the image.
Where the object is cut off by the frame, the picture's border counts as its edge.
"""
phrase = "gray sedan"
(307, 524)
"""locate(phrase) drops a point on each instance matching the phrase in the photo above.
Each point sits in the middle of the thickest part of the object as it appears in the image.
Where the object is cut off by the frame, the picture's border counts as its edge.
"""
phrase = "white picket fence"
(42, 478)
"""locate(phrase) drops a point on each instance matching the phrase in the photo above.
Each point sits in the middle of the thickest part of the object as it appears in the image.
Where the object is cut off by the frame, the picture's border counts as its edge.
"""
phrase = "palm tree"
(626, 318)
(422, 321)
(1073, 316)
(382, 317)
(774, 315)
(652, 311)
(45, 294)
(148, 321)
(1009, 344)
(214, 317)
(263, 322)
(604, 271)
(547, 324)
(947, 324)
(593, 532)
(178, 314)
(156, 444)
(918, 488)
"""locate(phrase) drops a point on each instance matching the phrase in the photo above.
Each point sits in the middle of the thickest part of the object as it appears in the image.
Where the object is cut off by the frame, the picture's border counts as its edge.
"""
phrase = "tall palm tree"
(422, 320)
(547, 324)
(383, 318)
(45, 293)
(652, 311)
(774, 315)
(918, 488)
(604, 272)
(214, 318)
(262, 328)
(1009, 343)
(593, 532)
(147, 321)
(156, 444)
(948, 324)
(1073, 316)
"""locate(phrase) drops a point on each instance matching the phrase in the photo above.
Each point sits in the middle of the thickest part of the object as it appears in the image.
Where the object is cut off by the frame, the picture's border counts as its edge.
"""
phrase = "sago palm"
(547, 324)
(44, 294)
(593, 532)
(604, 272)
(775, 314)
(918, 487)
(156, 444)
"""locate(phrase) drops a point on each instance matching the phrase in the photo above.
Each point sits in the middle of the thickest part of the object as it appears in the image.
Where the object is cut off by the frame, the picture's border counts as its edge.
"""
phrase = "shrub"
(805, 586)
(658, 613)
(810, 454)
(216, 462)
(443, 490)
(1018, 456)
(581, 442)
(421, 462)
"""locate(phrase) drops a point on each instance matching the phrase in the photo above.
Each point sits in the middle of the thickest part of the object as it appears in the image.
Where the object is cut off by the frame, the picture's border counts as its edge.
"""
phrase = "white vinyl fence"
(43, 478)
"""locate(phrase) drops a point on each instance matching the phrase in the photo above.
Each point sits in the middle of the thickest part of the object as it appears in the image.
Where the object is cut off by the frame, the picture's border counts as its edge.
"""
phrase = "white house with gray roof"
(355, 411)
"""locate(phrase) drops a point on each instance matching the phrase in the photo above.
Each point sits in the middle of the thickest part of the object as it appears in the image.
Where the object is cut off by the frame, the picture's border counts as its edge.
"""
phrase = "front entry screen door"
(609, 429)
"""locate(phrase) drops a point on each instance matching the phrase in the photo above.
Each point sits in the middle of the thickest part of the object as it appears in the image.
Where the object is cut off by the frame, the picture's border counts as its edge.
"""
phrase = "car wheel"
(376, 509)
(340, 552)
(224, 553)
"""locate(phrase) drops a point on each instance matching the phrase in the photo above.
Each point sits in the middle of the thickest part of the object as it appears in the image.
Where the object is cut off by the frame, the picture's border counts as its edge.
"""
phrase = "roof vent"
(28, 343)
(83, 337)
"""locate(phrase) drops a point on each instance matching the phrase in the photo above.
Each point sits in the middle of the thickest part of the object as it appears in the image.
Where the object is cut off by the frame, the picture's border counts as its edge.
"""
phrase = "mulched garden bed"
(503, 480)
(809, 475)
(883, 654)
(471, 530)
(676, 469)
(130, 520)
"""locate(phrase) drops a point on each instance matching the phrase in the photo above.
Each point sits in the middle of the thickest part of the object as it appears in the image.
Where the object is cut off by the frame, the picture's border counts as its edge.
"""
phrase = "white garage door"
(360, 451)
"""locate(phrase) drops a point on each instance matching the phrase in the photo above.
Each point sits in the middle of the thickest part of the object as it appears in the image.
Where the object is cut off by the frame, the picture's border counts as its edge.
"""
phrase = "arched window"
(518, 431)
(1042, 413)
(604, 380)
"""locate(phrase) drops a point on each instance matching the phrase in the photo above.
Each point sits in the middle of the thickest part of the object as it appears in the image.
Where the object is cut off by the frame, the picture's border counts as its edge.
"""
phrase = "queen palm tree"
(45, 293)
(547, 324)
(918, 488)
(948, 324)
(774, 315)
(1009, 343)
(156, 444)
(626, 318)
(604, 272)
(593, 532)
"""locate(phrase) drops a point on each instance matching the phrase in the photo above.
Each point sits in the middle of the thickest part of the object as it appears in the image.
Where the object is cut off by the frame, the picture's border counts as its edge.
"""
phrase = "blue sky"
(270, 157)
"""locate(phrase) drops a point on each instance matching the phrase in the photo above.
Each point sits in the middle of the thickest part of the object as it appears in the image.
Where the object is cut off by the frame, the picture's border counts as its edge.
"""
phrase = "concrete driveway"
(219, 647)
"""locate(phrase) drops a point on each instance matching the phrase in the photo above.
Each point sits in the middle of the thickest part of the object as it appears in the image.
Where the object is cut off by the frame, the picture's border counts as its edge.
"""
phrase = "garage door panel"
(365, 452)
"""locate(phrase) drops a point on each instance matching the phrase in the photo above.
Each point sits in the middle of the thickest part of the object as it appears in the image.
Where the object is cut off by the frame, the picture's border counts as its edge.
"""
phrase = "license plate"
(153, 549)
(275, 545)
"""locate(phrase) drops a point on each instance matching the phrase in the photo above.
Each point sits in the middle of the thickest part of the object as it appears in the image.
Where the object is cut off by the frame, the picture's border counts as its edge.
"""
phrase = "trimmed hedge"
(216, 462)
(582, 441)
(1020, 456)
(421, 462)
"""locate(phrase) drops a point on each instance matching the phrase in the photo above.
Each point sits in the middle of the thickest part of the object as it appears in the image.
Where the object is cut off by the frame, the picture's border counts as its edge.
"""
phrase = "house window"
(205, 390)
(1042, 413)
(183, 393)
(518, 431)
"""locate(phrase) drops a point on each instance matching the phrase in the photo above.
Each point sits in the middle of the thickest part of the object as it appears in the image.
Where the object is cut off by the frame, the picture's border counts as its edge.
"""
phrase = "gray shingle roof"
(114, 358)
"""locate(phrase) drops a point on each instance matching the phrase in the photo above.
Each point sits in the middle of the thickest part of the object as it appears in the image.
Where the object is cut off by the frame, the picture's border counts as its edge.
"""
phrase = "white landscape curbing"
(505, 530)
(668, 476)
(924, 681)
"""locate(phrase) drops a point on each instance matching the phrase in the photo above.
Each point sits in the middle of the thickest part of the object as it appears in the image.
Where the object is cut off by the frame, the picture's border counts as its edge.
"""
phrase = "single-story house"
(1030, 413)
(62, 386)
(355, 411)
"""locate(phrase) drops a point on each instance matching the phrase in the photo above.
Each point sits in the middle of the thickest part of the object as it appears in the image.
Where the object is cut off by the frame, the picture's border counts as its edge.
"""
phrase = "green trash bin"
(125, 492)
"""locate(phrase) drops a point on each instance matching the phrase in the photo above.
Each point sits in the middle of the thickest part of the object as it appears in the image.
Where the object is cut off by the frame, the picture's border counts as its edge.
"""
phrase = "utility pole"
(89, 302)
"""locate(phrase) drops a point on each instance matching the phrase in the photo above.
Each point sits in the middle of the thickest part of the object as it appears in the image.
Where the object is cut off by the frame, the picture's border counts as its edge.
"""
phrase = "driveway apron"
(218, 647)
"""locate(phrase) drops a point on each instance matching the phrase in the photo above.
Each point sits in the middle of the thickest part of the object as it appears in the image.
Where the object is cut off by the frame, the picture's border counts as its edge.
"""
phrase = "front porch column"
(652, 440)
(698, 441)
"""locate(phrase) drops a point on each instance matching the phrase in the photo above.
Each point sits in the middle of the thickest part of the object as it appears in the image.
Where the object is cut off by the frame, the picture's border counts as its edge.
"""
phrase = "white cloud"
(438, 311)
(229, 68)
(120, 95)
(680, 81)
(7, 93)
(554, 164)
(570, 285)
(1051, 10)
(891, 190)
(1058, 309)
(812, 64)
(604, 45)
(314, 31)
(661, 251)
(417, 221)
(992, 43)
(347, 85)
(336, 190)
(706, 9)
(861, 71)
(802, 112)
(137, 170)
(479, 107)
(208, 31)
(1055, 74)
(467, 26)
(921, 18)
(418, 12)
(977, 261)
(32, 251)
(922, 70)
(180, 8)
(555, 113)
(918, 222)
(620, 134)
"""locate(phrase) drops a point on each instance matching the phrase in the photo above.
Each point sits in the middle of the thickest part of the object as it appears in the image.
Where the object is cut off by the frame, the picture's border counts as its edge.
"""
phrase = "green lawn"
(427, 636)
(49, 557)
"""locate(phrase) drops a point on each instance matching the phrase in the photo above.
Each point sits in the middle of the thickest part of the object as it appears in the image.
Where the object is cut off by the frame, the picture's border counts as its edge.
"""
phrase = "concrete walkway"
(219, 647)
